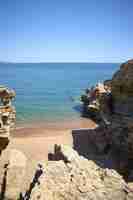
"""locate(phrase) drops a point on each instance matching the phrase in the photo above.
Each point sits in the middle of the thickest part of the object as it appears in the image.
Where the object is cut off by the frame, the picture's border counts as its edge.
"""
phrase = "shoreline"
(37, 140)
(44, 129)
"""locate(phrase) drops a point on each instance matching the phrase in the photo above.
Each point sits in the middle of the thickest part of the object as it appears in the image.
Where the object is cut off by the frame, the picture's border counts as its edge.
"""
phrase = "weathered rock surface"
(115, 135)
(122, 89)
(122, 120)
(12, 172)
(7, 115)
(67, 177)
(77, 178)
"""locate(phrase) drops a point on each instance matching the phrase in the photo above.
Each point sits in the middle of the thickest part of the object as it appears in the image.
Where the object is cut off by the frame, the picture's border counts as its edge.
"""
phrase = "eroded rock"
(115, 132)
(122, 89)
(7, 115)
(13, 165)
(78, 179)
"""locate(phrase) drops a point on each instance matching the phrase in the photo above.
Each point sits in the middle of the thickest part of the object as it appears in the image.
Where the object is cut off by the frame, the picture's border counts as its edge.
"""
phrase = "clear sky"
(66, 30)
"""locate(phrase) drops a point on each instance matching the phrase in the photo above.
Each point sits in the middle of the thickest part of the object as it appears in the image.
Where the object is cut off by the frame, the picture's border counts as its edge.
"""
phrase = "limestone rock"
(13, 171)
(7, 115)
(77, 180)
(15, 174)
(122, 89)
(6, 92)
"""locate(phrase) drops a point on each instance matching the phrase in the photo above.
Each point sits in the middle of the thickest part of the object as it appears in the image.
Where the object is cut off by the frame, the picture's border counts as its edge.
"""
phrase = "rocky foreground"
(67, 176)
(101, 168)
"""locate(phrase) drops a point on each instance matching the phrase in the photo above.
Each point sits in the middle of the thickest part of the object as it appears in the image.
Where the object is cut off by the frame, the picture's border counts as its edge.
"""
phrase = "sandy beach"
(36, 141)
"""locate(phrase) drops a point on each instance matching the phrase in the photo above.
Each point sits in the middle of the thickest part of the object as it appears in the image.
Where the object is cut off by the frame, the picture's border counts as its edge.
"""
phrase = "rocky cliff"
(7, 115)
(116, 111)
(122, 89)
(122, 121)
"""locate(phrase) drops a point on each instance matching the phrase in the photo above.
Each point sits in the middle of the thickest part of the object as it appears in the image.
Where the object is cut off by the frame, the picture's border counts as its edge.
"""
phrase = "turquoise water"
(45, 91)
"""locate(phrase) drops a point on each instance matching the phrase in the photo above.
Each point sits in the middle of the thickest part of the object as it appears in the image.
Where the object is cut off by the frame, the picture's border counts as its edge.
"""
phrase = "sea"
(47, 92)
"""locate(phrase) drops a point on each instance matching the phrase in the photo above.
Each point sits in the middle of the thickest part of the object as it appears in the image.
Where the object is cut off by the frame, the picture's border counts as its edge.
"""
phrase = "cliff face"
(7, 115)
(115, 135)
(122, 89)
(122, 92)
(120, 128)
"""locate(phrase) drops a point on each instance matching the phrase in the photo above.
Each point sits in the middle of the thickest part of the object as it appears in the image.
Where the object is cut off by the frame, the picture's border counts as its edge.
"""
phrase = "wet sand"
(38, 140)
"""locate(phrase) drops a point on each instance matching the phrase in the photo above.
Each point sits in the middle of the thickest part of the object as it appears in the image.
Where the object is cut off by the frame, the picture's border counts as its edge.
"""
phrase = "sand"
(37, 140)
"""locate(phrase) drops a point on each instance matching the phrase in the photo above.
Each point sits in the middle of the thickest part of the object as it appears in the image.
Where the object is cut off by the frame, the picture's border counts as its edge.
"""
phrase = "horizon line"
(58, 62)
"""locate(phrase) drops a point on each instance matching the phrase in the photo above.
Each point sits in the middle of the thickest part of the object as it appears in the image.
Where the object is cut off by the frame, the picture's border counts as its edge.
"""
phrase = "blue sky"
(66, 30)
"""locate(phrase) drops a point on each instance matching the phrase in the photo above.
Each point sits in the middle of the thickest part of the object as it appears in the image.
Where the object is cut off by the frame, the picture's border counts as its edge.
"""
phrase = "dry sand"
(36, 141)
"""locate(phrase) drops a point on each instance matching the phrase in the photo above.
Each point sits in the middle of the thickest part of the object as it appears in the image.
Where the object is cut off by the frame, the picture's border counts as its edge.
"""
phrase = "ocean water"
(45, 91)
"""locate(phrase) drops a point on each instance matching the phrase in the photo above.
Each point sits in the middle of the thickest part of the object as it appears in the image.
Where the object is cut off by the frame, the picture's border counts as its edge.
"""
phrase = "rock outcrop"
(7, 115)
(13, 165)
(74, 177)
(67, 177)
(116, 112)
(122, 119)
(117, 94)
(122, 89)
